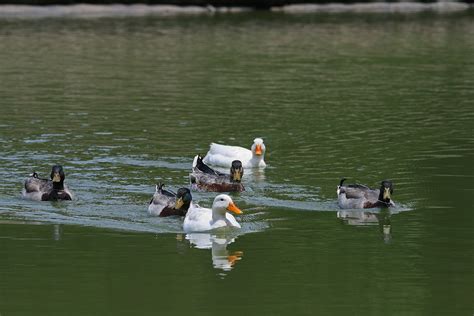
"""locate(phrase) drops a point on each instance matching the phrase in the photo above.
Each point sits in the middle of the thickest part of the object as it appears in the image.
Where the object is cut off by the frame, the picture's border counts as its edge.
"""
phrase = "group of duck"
(204, 178)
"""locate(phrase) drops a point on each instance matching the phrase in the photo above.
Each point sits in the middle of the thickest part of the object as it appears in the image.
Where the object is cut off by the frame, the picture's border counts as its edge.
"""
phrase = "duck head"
(236, 171)
(258, 147)
(57, 174)
(386, 191)
(223, 203)
(183, 199)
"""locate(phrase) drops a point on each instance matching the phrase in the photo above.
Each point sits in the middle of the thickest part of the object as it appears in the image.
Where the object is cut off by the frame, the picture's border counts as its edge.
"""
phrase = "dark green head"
(236, 171)
(57, 174)
(386, 191)
(183, 199)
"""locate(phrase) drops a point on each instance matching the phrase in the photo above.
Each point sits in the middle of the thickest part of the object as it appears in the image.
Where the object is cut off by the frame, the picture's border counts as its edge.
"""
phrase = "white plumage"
(200, 219)
(223, 155)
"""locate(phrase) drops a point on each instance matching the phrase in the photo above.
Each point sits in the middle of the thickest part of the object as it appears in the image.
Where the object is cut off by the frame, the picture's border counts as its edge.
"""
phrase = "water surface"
(123, 103)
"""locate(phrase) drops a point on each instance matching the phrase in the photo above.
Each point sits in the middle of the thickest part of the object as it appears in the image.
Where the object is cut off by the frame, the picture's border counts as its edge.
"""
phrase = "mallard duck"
(200, 219)
(204, 178)
(165, 203)
(358, 196)
(39, 189)
(223, 155)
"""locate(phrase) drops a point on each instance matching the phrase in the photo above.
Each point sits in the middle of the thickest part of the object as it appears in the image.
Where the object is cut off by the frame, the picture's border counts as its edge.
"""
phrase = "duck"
(358, 196)
(166, 203)
(204, 178)
(201, 219)
(54, 189)
(224, 155)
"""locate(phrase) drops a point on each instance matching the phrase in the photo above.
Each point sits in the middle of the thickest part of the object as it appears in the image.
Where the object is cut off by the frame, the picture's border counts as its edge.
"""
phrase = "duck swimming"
(223, 155)
(38, 189)
(165, 203)
(199, 219)
(358, 196)
(204, 178)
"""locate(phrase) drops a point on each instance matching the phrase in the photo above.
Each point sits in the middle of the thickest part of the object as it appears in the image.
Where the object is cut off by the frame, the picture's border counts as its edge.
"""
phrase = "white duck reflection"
(221, 257)
(364, 218)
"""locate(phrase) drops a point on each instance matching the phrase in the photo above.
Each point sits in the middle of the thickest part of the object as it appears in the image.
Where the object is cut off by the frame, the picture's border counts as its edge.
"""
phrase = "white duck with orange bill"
(200, 219)
(223, 155)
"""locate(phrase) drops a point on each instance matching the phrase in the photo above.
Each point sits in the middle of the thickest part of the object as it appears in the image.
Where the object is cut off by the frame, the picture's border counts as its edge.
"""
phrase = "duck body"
(200, 219)
(224, 155)
(204, 178)
(165, 203)
(358, 196)
(38, 189)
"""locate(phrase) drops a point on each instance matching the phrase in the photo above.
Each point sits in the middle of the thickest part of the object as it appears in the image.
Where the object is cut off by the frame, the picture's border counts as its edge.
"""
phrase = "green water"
(123, 103)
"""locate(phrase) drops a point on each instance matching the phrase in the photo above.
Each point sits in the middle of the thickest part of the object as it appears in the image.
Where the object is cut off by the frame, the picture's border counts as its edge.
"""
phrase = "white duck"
(223, 155)
(200, 219)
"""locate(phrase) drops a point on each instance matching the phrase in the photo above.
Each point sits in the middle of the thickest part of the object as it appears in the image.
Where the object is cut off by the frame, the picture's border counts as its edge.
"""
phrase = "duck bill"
(258, 150)
(237, 175)
(56, 177)
(235, 257)
(386, 194)
(234, 208)
(179, 203)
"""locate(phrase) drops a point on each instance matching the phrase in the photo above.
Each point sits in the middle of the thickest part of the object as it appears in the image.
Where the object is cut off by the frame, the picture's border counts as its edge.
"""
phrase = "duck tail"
(201, 166)
(195, 161)
(342, 181)
(159, 187)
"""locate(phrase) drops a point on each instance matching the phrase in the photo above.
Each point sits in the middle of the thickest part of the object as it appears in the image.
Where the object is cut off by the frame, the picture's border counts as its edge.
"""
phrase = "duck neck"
(217, 215)
(185, 206)
(381, 201)
(58, 186)
(256, 160)
(232, 180)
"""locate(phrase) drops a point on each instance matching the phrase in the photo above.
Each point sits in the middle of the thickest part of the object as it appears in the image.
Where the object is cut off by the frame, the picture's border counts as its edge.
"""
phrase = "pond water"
(123, 103)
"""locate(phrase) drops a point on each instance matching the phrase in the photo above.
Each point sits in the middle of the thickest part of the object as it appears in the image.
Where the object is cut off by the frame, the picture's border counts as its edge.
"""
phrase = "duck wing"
(201, 166)
(197, 219)
(161, 199)
(35, 184)
(162, 191)
(160, 203)
(357, 191)
(229, 151)
(208, 183)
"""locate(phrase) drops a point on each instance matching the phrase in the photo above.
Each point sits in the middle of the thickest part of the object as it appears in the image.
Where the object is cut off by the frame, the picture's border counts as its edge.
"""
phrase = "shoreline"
(121, 10)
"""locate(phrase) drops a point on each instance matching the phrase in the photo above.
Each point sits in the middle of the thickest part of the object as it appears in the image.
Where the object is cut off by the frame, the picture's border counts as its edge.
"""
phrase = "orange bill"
(233, 208)
(258, 150)
(234, 257)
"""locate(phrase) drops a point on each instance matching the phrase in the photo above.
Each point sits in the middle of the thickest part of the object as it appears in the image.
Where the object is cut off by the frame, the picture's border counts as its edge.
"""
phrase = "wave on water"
(119, 10)
(113, 10)
(375, 7)
(118, 198)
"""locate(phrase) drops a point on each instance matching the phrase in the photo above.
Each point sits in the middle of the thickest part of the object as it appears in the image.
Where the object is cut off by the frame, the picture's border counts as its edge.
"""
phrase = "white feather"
(223, 155)
(200, 219)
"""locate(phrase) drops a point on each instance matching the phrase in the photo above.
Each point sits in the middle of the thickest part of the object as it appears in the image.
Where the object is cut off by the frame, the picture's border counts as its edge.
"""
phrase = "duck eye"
(222, 199)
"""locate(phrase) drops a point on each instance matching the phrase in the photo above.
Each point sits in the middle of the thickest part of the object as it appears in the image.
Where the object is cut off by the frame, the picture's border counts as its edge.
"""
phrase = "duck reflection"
(57, 232)
(257, 175)
(364, 218)
(222, 258)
